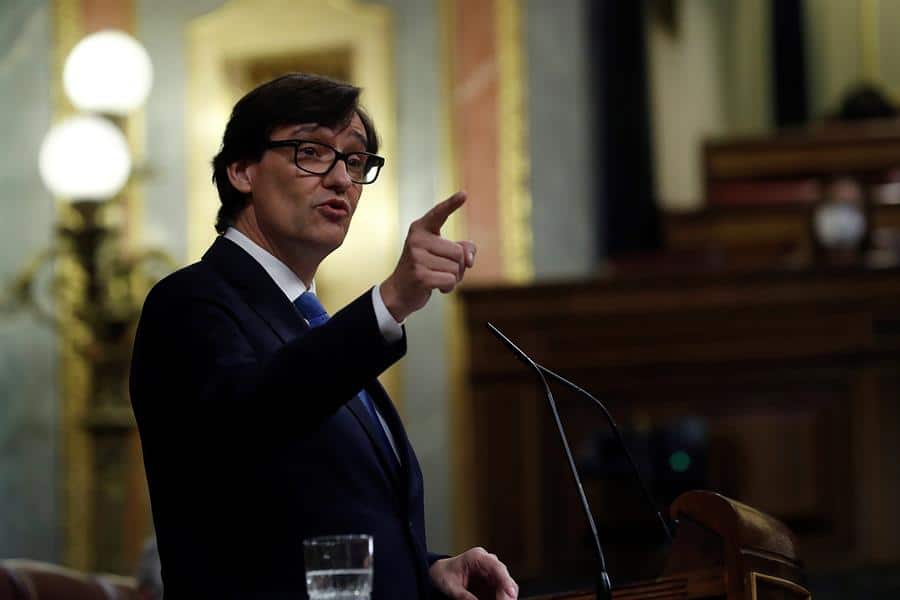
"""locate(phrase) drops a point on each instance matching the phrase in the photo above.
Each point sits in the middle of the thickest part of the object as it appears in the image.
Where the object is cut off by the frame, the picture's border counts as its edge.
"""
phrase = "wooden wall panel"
(794, 375)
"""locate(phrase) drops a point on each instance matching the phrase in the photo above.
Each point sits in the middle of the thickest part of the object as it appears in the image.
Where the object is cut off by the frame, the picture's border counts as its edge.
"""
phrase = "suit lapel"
(404, 448)
(385, 455)
(259, 290)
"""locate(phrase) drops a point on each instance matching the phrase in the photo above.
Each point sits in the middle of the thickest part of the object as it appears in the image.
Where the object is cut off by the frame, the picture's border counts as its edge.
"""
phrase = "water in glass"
(339, 584)
(339, 567)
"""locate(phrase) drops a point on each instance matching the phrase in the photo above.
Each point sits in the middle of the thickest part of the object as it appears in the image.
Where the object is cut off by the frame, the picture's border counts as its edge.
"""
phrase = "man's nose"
(338, 177)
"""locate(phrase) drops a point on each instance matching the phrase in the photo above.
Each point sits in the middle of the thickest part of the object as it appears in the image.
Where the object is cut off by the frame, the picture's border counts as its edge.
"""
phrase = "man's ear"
(240, 176)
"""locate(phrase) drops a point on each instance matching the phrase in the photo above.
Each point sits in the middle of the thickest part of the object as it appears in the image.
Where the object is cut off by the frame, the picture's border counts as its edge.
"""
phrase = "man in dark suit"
(261, 419)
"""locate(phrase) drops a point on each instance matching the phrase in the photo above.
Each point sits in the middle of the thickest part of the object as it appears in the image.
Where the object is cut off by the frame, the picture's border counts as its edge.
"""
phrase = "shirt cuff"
(390, 329)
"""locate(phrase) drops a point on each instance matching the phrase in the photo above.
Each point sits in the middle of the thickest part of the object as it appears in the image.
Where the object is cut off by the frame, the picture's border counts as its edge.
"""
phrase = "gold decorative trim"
(756, 578)
(514, 190)
(132, 197)
(75, 456)
(870, 40)
(67, 28)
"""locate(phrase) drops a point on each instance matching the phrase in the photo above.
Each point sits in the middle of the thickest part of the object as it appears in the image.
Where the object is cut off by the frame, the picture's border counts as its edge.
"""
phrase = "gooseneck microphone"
(604, 585)
(621, 442)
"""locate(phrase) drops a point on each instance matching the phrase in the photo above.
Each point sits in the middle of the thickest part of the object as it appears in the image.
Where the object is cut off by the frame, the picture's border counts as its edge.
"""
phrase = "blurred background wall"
(569, 137)
(29, 434)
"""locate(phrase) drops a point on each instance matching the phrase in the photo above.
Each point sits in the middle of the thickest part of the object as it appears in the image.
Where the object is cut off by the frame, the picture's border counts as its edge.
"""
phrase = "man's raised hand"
(428, 262)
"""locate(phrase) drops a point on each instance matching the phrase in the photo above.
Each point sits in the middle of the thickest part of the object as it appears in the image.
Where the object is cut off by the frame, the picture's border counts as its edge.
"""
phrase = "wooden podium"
(722, 549)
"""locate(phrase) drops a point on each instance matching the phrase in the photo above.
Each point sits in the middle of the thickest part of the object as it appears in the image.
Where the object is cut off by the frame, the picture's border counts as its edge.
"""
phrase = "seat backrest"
(11, 585)
(34, 580)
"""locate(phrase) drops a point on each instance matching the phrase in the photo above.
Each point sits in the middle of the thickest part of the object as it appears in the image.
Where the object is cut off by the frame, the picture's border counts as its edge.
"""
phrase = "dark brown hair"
(294, 98)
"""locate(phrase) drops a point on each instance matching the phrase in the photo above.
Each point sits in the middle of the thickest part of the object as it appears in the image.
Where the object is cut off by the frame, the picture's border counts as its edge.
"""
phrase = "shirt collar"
(281, 274)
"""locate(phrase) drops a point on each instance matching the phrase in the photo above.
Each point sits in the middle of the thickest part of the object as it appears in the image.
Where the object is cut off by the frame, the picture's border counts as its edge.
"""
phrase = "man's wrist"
(391, 300)
(390, 328)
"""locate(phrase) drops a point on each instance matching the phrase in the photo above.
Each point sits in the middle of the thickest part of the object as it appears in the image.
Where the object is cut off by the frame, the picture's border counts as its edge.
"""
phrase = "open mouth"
(335, 209)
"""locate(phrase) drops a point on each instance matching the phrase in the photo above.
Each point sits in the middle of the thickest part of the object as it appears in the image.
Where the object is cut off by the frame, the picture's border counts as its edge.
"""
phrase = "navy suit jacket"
(254, 439)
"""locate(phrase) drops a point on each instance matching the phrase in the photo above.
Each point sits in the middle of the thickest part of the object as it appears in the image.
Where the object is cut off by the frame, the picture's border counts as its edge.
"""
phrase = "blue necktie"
(316, 315)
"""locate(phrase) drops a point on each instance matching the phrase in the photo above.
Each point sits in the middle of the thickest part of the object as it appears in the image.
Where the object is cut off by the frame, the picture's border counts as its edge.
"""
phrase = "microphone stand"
(603, 584)
(621, 441)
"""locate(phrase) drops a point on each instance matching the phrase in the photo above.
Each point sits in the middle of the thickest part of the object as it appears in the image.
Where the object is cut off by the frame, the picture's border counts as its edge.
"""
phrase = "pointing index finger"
(435, 218)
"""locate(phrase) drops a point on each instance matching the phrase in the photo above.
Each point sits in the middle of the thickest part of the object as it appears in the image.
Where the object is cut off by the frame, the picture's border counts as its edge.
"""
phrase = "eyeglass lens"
(318, 159)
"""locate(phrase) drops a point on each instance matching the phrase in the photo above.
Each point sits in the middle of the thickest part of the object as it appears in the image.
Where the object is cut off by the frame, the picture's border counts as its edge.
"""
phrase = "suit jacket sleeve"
(198, 350)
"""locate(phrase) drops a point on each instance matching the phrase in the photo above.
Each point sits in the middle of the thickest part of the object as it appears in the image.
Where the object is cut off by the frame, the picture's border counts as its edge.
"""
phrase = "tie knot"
(311, 309)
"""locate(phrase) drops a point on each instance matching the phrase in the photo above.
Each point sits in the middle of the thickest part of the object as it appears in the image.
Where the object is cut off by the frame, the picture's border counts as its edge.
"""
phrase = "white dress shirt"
(293, 286)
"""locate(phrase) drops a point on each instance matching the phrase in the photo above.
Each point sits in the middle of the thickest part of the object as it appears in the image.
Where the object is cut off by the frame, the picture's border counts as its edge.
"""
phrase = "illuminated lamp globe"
(85, 158)
(108, 72)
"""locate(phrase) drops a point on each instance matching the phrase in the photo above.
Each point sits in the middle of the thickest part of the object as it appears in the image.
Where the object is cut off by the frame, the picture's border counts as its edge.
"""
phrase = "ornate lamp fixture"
(108, 72)
(96, 285)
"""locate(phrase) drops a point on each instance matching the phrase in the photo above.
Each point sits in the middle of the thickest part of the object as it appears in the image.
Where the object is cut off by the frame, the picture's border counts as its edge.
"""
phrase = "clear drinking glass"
(339, 567)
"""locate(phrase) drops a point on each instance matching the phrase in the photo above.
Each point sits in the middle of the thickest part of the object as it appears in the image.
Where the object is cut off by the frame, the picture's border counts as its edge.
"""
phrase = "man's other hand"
(475, 574)
(428, 262)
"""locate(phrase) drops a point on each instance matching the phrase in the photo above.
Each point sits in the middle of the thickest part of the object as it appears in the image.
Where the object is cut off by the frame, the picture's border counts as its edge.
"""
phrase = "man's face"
(292, 207)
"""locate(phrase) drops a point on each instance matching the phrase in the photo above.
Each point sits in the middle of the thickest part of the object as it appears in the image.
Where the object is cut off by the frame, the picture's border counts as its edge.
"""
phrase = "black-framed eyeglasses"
(319, 159)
